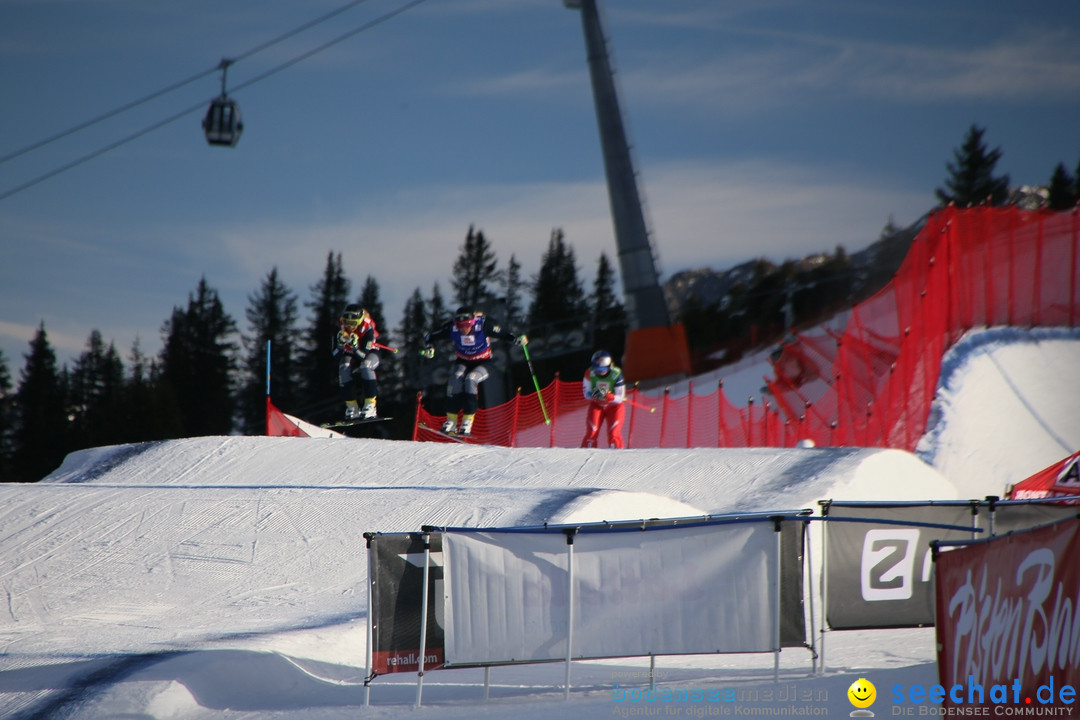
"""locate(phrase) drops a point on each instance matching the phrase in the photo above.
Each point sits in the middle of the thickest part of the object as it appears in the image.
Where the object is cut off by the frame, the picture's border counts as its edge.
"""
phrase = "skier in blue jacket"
(471, 332)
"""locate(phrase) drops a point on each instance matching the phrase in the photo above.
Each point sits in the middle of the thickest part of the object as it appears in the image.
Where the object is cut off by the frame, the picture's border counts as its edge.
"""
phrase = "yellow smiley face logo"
(862, 693)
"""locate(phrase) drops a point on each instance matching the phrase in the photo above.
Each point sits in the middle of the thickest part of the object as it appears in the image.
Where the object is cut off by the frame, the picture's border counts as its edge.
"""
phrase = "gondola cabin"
(222, 123)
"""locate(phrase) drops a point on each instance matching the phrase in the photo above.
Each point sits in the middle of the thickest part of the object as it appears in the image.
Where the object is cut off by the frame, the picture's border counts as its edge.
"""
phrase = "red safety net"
(870, 385)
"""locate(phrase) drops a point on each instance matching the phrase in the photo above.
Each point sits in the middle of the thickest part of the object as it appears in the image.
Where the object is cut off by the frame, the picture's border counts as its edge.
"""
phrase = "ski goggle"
(353, 316)
(462, 318)
(602, 366)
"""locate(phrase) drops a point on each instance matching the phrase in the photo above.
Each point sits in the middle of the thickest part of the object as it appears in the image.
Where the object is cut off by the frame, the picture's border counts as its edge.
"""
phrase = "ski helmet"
(463, 319)
(353, 315)
(601, 362)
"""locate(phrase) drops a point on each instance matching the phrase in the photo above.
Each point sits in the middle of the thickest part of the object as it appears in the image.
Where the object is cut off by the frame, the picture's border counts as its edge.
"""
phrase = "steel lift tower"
(655, 347)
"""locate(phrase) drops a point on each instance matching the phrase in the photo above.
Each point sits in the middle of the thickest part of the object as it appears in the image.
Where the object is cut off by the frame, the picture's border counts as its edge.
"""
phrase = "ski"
(463, 439)
(350, 423)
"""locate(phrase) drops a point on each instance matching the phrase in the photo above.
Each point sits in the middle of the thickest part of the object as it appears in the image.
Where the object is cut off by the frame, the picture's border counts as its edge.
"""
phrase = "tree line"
(210, 377)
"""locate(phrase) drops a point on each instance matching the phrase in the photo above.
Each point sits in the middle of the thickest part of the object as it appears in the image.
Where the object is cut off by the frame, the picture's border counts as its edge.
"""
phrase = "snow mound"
(618, 505)
(707, 480)
(148, 547)
(1006, 407)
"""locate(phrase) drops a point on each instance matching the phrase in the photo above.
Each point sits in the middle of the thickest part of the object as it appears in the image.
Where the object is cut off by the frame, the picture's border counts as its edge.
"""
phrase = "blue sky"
(770, 128)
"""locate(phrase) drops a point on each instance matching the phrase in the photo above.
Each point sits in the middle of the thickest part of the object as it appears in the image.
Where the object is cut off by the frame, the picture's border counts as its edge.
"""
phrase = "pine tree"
(512, 307)
(41, 439)
(5, 377)
(1062, 190)
(608, 314)
(558, 296)
(971, 178)
(438, 313)
(150, 411)
(475, 272)
(371, 301)
(890, 229)
(437, 316)
(7, 420)
(318, 365)
(198, 361)
(272, 316)
(414, 325)
(96, 395)
(606, 308)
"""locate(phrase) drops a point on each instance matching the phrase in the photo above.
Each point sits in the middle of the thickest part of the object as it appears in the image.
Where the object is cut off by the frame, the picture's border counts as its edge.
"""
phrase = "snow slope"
(1007, 405)
(224, 577)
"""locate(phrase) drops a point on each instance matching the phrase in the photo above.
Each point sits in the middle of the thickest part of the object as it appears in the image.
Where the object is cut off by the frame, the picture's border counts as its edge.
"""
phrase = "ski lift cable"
(195, 108)
(101, 151)
(327, 45)
(297, 30)
(177, 85)
(104, 116)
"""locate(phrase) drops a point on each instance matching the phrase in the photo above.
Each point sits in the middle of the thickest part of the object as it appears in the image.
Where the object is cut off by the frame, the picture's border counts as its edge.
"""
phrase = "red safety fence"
(872, 384)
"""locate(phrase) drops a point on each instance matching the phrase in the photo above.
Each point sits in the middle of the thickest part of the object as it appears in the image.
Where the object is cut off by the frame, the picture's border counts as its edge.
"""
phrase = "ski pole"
(536, 384)
(639, 405)
(380, 346)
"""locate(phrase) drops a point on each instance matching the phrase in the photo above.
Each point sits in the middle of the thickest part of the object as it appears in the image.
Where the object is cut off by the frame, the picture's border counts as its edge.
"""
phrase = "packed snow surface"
(225, 577)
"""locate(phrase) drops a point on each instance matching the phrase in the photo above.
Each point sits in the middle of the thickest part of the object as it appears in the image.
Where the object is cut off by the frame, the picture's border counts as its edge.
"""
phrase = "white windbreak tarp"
(705, 589)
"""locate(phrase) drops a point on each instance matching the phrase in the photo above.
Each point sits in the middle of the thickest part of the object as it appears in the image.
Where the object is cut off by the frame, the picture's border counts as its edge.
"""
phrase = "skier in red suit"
(605, 389)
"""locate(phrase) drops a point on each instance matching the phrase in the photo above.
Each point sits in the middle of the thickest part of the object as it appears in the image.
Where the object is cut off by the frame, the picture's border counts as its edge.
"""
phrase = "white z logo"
(893, 580)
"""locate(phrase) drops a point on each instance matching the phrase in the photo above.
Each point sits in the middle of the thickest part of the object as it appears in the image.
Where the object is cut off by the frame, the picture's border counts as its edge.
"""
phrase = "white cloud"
(1025, 67)
(719, 216)
(413, 239)
(701, 215)
(741, 79)
(64, 341)
(526, 81)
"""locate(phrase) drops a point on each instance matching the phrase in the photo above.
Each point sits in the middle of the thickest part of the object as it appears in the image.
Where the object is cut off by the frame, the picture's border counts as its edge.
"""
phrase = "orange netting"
(872, 384)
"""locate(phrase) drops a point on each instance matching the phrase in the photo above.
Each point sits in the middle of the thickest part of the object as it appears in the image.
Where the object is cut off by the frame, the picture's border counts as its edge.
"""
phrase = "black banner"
(395, 583)
(881, 575)
(792, 615)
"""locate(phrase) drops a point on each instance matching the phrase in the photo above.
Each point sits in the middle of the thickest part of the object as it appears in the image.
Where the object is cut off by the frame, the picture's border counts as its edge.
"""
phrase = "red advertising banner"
(1059, 480)
(1008, 630)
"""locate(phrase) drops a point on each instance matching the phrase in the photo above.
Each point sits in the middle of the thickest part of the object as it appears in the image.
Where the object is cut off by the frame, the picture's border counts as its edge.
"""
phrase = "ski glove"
(521, 340)
(428, 352)
(348, 341)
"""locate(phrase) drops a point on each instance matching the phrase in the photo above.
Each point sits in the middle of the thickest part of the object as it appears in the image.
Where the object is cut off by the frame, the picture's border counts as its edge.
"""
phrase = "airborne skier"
(358, 356)
(471, 332)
